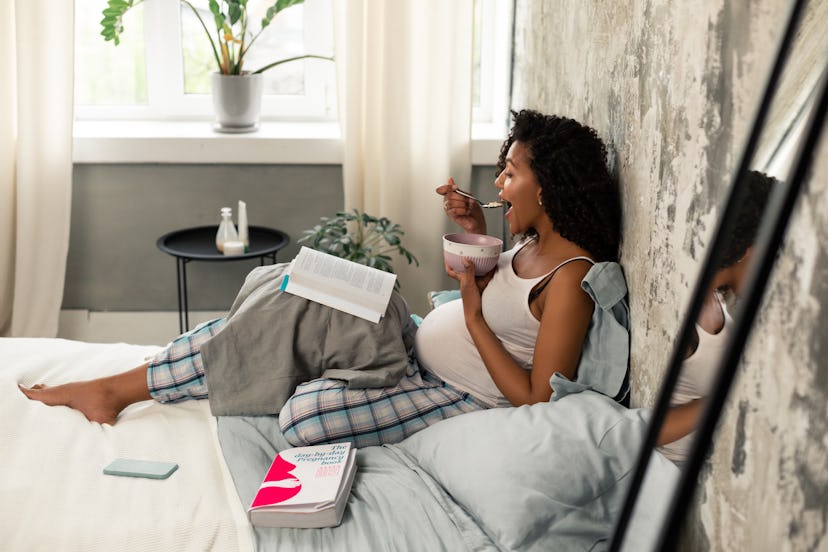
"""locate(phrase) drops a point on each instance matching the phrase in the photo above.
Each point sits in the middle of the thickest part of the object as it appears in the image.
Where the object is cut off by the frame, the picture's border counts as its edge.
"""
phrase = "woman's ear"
(747, 255)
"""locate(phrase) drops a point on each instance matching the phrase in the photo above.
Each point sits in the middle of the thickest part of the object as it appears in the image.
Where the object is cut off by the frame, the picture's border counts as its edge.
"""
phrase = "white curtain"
(404, 85)
(36, 98)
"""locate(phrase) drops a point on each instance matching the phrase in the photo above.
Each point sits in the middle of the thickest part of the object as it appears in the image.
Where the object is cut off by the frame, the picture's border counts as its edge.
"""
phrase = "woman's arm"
(680, 421)
(564, 323)
(567, 311)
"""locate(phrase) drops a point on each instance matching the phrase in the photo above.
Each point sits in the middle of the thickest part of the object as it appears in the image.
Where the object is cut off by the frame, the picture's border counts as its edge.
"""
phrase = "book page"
(341, 284)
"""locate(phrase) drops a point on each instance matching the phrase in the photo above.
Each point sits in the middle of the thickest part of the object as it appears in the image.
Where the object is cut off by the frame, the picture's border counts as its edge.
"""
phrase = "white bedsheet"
(53, 495)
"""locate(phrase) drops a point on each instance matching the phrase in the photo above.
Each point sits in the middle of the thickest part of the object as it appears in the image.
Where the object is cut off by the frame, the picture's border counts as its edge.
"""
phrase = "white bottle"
(243, 235)
(226, 230)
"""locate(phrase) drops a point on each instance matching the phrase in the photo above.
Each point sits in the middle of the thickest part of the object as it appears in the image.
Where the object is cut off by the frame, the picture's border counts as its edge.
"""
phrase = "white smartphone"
(151, 469)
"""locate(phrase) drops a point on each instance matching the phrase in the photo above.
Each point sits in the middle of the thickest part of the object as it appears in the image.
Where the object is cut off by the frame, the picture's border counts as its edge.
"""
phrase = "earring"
(540, 203)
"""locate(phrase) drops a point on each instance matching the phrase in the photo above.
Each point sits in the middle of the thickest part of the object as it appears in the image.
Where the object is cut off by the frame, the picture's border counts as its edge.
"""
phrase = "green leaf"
(276, 8)
(234, 11)
(112, 23)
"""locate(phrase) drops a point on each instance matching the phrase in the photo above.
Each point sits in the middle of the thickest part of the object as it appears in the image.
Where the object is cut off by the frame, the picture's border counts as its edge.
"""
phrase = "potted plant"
(237, 91)
(361, 238)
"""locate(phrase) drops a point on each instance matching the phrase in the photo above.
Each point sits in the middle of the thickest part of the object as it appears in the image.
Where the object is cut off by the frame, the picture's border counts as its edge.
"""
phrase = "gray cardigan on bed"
(273, 341)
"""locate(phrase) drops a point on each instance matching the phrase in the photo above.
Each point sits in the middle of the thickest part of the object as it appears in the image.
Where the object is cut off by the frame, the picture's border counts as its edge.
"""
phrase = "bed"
(545, 477)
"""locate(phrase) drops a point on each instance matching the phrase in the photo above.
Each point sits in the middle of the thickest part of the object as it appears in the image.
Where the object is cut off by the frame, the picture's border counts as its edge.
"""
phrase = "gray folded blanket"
(273, 341)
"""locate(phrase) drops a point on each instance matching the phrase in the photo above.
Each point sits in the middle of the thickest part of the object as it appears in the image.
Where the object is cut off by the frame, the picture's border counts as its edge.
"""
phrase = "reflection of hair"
(577, 190)
(748, 217)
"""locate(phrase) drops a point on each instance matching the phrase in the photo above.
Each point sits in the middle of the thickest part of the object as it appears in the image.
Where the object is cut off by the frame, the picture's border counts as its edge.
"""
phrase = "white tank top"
(696, 378)
(445, 348)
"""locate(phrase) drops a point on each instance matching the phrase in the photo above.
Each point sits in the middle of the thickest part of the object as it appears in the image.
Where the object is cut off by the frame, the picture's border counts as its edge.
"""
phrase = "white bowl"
(483, 251)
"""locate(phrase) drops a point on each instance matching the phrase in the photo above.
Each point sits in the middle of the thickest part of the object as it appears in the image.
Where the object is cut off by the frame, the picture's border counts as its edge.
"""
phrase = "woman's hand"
(471, 289)
(464, 211)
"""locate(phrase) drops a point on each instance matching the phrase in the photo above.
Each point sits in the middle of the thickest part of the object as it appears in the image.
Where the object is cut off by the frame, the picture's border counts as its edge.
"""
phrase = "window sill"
(196, 142)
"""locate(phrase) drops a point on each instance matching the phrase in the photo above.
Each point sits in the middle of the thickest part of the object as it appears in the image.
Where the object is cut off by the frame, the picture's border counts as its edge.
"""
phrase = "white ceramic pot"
(237, 101)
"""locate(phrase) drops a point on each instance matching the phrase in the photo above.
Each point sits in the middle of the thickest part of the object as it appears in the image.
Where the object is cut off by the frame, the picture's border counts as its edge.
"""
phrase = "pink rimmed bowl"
(483, 251)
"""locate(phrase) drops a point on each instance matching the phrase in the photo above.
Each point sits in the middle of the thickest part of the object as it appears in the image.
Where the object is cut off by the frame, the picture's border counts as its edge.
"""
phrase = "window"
(492, 63)
(158, 78)
(161, 71)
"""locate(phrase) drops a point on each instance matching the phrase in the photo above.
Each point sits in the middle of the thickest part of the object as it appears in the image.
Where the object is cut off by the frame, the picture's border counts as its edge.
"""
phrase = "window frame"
(495, 63)
(167, 101)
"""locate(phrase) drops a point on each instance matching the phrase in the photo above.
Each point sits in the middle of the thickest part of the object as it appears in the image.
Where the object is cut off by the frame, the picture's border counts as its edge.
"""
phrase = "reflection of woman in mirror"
(698, 370)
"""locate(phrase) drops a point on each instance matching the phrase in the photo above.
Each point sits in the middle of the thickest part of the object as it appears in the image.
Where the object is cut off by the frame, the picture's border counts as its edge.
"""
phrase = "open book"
(357, 289)
(305, 487)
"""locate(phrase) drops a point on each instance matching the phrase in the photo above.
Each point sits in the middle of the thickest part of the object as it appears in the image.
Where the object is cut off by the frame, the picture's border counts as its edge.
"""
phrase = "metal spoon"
(488, 205)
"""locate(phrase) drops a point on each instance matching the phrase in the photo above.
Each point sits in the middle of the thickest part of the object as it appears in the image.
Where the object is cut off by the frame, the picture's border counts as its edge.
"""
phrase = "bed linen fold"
(550, 476)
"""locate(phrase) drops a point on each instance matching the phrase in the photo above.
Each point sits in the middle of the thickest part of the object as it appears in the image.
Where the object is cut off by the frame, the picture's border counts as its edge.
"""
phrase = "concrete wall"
(672, 87)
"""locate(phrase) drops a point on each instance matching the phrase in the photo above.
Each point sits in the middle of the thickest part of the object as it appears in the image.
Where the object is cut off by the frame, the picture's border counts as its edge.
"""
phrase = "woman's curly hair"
(748, 217)
(569, 161)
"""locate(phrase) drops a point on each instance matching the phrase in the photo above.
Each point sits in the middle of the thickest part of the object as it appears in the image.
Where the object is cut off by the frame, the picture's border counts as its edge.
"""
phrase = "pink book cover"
(303, 478)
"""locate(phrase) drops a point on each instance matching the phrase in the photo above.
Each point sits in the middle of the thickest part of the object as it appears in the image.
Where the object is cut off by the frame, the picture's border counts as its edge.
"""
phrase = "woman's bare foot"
(100, 400)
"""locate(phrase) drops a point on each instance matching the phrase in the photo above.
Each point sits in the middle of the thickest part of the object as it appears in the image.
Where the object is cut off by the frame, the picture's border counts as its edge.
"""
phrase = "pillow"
(541, 477)
(437, 298)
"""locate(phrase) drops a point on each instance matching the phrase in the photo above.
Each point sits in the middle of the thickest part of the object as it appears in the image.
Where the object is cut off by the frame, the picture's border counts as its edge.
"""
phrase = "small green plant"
(232, 38)
(359, 237)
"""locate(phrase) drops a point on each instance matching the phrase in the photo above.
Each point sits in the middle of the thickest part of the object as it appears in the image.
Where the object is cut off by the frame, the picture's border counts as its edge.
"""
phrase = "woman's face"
(518, 186)
(734, 276)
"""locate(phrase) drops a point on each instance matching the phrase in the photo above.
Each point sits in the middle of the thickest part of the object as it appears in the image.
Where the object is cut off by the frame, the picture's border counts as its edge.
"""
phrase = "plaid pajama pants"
(177, 372)
(321, 410)
(326, 411)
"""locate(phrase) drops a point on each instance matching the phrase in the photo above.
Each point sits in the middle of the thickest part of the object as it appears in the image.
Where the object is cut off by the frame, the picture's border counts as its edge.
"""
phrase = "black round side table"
(199, 244)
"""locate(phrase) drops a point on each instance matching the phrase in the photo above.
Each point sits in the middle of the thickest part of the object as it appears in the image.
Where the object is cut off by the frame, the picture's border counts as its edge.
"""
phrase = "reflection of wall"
(796, 90)
(672, 87)
(771, 456)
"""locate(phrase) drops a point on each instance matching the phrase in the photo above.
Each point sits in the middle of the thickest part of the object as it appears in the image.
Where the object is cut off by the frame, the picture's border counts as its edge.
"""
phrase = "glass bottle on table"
(226, 230)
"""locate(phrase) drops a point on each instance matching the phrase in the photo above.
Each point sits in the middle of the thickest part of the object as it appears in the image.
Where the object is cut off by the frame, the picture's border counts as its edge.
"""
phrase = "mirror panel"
(697, 363)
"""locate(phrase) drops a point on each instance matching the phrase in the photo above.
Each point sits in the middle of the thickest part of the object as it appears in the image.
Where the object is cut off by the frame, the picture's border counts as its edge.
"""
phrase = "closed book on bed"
(305, 487)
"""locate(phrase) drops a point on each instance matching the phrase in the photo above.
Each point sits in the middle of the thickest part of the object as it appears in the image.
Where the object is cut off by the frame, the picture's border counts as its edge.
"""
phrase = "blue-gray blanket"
(550, 476)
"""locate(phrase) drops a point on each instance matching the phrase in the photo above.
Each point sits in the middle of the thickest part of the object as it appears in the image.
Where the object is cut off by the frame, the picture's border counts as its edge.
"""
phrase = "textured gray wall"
(672, 87)
(120, 210)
